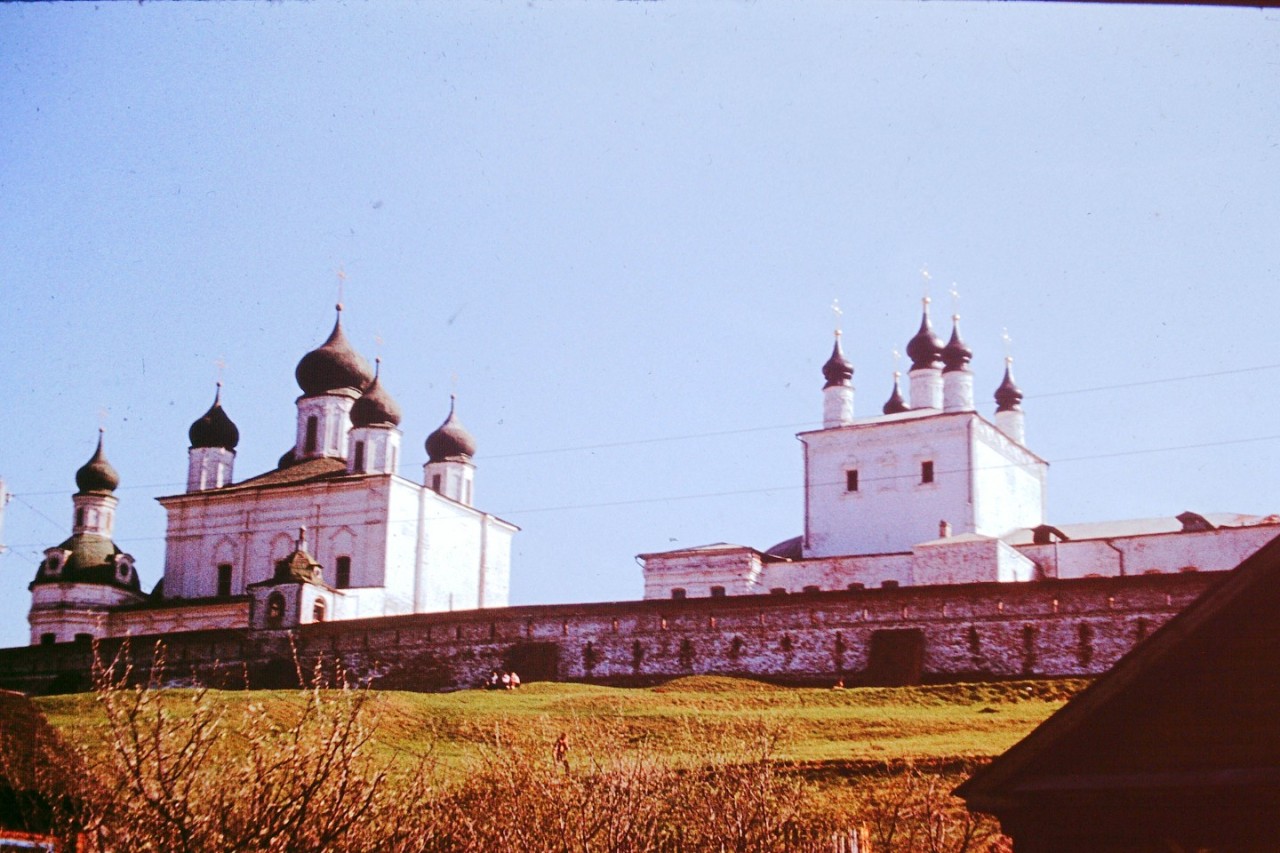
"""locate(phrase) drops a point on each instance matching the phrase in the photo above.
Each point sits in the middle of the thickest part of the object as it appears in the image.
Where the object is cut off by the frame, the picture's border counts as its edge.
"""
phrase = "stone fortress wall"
(985, 631)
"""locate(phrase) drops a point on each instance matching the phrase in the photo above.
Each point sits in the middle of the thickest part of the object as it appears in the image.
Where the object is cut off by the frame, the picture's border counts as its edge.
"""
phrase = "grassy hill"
(677, 722)
(701, 763)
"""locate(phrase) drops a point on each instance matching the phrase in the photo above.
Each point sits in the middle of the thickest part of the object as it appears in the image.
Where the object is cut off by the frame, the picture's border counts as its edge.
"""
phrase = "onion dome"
(451, 440)
(375, 407)
(97, 475)
(837, 370)
(896, 404)
(955, 355)
(88, 558)
(924, 350)
(214, 428)
(332, 366)
(1008, 395)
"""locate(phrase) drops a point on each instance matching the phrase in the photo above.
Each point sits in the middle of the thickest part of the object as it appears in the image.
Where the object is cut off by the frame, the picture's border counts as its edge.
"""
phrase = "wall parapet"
(935, 633)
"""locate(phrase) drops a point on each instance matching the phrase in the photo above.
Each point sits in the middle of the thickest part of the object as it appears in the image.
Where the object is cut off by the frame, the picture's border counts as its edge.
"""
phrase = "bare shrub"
(179, 774)
(191, 770)
(910, 810)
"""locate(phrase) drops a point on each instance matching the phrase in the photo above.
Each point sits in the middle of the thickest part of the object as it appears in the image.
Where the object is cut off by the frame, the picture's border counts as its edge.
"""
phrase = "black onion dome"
(837, 370)
(451, 440)
(924, 349)
(97, 475)
(895, 404)
(214, 428)
(1008, 395)
(375, 408)
(333, 365)
(955, 355)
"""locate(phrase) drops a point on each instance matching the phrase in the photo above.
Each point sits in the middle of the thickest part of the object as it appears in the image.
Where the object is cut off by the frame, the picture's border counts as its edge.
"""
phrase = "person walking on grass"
(560, 751)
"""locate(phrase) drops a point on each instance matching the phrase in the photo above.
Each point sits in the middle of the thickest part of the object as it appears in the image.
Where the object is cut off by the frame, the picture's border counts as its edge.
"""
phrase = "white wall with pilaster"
(380, 453)
(451, 478)
(411, 550)
(982, 482)
(209, 468)
(93, 512)
(332, 412)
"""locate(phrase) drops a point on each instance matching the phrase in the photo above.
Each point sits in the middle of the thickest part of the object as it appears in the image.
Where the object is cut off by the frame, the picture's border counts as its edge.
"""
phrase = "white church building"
(333, 532)
(932, 492)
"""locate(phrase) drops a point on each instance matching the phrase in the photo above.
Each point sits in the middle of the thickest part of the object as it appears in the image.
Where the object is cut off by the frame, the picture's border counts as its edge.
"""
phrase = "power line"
(1162, 381)
(789, 487)
(792, 426)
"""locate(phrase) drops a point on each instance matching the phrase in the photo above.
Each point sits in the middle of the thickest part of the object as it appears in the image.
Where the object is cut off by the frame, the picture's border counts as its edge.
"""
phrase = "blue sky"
(620, 227)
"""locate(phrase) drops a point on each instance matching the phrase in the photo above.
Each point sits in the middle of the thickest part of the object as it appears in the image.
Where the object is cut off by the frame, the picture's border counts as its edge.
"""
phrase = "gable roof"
(1192, 707)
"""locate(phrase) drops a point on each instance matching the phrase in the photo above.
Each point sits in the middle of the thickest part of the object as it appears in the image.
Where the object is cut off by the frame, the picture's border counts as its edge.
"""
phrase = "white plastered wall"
(982, 482)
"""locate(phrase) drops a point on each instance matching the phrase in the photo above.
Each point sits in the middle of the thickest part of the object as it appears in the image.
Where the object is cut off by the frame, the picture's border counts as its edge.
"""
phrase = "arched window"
(80, 516)
(678, 593)
(358, 464)
(717, 592)
(275, 610)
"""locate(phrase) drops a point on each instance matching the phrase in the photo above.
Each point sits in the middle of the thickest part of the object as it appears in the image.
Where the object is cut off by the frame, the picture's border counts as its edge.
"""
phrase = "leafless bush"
(180, 774)
(188, 770)
(910, 810)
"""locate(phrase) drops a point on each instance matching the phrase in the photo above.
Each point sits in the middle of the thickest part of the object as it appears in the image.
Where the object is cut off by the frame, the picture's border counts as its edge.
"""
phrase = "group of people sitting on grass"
(502, 680)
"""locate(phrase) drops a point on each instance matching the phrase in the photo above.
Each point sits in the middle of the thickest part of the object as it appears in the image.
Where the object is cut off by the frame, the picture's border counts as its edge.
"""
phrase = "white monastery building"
(334, 532)
(926, 492)
(932, 492)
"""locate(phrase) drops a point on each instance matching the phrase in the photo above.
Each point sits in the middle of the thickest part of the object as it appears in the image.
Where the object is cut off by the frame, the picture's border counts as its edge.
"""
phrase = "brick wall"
(984, 631)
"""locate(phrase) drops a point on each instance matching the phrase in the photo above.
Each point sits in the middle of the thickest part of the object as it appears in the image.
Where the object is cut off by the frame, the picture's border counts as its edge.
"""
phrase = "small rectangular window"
(342, 578)
(313, 434)
(224, 580)
(926, 472)
(358, 463)
(435, 483)
(677, 593)
(851, 481)
(48, 639)
(717, 592)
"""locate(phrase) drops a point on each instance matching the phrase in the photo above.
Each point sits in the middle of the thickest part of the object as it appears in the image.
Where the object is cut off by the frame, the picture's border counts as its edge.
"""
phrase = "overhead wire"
(784, 488)
(744, 430)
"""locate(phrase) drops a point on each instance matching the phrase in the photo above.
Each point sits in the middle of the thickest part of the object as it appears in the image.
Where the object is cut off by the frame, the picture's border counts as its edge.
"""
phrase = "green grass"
(678, 722)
